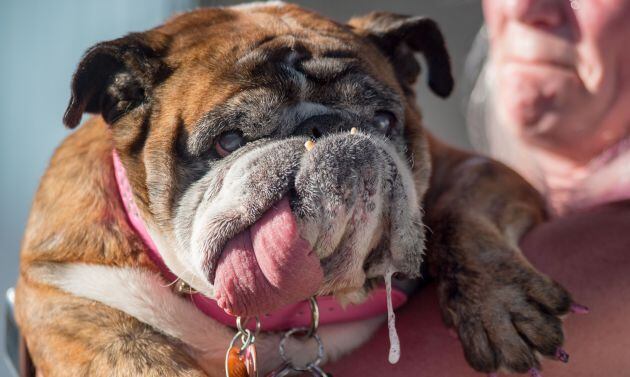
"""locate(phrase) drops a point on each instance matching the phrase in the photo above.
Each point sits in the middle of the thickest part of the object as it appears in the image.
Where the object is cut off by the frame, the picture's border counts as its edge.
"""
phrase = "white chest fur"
(145, 296)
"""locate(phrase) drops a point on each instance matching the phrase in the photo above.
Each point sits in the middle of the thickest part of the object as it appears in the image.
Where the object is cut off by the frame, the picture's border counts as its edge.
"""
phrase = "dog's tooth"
(353, 130)
(310, 144)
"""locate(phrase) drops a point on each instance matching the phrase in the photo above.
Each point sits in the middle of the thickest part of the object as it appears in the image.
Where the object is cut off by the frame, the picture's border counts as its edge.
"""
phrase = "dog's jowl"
(242, 160)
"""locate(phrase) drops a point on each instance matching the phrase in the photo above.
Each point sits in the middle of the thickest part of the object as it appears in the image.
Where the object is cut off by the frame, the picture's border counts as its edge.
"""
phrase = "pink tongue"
(266, 266)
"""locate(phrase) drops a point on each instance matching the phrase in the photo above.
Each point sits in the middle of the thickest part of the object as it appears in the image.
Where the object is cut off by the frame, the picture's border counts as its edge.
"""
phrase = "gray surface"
(42, 42)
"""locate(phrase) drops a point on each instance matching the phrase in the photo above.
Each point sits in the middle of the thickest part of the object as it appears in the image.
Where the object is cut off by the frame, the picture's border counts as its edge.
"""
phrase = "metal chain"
(247, 338)
(287, 361)
(314, 317)
(309, 333)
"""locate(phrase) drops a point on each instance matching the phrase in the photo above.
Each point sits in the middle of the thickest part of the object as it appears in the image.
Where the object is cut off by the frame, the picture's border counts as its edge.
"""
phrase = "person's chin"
(530, 119)
(534, 95)
(547, 132)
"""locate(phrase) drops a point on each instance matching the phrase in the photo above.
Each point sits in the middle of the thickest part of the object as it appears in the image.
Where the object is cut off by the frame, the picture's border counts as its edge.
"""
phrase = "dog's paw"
(505, 313)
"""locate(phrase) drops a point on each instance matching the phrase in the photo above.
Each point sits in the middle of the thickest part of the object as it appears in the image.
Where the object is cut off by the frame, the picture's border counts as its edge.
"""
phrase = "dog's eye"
(228, 142)
(384, 121)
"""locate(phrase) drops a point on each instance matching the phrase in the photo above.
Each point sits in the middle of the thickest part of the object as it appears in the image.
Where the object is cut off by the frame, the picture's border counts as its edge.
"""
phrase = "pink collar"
(291, 316)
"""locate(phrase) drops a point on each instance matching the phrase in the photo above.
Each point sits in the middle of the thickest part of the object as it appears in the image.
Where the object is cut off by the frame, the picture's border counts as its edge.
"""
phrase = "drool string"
(394, 342)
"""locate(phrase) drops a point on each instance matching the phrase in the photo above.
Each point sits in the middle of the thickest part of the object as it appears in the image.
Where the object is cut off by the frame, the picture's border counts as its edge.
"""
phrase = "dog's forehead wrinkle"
(364, 95)
(323, 64)
(259, 111)
(296, 114)
(327, 69)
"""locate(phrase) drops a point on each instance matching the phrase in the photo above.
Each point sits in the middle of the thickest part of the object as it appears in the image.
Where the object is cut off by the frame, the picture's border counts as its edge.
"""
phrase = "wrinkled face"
(563, 72)
(215, 149)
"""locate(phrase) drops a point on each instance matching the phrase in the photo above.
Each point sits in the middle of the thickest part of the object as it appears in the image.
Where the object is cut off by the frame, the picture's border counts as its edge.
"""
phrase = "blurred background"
(42, 42)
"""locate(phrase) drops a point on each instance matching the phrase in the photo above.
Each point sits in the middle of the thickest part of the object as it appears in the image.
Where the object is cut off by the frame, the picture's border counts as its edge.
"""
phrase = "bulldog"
(253, 157)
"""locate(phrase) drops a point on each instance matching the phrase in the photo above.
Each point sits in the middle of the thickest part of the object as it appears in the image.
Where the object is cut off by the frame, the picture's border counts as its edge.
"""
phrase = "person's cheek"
(603, 21)
(603, 28)
(493, 15)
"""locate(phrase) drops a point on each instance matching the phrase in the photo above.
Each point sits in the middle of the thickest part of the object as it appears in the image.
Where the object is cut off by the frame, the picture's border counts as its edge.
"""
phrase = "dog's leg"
(505, 312)
(72, 336)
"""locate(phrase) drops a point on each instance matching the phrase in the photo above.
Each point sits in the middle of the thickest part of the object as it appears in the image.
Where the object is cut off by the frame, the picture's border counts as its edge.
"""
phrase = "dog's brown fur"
(476, 209)
(501, 306)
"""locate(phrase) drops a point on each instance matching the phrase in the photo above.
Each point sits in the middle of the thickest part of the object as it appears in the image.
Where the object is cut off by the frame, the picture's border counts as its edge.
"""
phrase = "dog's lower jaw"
(145, 296)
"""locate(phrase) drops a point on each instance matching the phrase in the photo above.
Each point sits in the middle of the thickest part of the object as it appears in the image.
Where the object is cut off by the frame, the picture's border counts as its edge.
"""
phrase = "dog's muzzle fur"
(352, 195)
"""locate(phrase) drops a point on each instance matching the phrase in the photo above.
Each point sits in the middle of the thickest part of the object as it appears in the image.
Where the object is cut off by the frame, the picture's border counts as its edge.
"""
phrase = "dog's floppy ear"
(399, 37)
(114, 77)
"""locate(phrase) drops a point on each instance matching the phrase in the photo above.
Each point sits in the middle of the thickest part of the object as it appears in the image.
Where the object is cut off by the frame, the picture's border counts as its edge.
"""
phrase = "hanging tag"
(235, 366)
(249, 359)
(241, 361)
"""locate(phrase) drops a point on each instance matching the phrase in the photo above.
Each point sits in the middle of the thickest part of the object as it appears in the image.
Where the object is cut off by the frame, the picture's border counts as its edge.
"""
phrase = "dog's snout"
(323, 124)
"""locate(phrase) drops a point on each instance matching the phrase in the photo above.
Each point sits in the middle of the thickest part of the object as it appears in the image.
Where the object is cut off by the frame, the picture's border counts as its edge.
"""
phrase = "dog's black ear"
(399, 37)
(114, 77)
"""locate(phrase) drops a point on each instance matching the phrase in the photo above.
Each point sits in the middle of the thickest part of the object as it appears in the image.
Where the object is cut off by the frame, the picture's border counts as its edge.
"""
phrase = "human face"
(563, 71)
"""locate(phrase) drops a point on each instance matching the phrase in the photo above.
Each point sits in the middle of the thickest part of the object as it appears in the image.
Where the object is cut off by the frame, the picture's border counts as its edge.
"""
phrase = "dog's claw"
(579, 309)
(535, 373)
(562, 355)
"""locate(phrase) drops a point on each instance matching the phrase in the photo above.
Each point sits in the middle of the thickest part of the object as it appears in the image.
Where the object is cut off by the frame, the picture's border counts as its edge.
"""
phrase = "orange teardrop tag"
(236, 364)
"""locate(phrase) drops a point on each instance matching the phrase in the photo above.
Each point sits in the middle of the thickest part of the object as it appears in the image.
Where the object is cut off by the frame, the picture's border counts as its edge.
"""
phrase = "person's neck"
(558, 177)
(566, 183)
(570, 185)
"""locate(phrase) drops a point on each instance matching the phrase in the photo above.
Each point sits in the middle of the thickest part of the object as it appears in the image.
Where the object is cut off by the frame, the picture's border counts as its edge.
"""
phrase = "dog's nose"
(323, 124)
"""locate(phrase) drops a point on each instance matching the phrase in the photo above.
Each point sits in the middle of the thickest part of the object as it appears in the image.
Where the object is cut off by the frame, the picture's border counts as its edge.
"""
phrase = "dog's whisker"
(427, 228)
(168, 285)
(193, 277)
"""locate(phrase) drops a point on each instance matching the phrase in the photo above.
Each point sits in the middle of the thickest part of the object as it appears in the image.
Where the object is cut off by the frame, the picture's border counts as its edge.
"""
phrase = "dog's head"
(210, 113)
